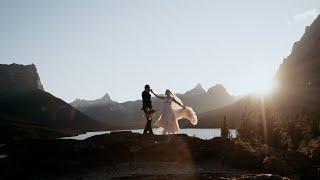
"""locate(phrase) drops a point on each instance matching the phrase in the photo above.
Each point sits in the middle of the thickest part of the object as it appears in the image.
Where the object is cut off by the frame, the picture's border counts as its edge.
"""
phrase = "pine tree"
(248, 126)
(224, 129)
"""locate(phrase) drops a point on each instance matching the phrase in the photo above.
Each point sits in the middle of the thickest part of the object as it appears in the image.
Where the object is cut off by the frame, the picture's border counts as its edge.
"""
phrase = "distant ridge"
(105, 100)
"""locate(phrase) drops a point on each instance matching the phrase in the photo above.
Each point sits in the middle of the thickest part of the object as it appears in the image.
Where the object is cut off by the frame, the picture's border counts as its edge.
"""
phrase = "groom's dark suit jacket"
(146, 100)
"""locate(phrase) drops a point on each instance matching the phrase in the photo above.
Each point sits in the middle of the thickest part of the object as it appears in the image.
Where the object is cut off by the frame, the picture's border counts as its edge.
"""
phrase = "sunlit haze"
(83, 49)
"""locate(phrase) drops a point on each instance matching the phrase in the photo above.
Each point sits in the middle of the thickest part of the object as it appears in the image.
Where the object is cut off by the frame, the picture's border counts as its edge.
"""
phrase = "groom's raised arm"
(160, 97)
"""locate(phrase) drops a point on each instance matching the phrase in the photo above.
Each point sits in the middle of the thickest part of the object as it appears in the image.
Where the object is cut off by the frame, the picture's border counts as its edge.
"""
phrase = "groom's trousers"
(148, 128)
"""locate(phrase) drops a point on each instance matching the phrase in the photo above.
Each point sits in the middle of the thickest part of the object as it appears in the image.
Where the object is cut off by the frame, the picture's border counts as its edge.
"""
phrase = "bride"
(173, 110)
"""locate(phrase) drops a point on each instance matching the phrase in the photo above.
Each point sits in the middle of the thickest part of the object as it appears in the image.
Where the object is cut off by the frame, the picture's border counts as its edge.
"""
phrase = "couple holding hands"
(171, 111)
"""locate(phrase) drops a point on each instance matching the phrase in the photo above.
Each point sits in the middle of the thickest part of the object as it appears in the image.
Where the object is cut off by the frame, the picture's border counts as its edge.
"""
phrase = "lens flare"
(265, 88)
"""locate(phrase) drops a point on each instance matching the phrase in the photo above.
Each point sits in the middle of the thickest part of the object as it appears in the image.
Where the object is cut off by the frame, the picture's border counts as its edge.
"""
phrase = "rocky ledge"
(125, 155)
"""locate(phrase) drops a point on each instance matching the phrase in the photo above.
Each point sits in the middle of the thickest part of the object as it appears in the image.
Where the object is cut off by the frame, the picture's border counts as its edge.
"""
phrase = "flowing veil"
(181, 113)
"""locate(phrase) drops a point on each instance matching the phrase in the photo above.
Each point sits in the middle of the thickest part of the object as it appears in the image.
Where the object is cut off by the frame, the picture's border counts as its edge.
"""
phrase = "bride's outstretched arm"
(160, 97)
(178, 103)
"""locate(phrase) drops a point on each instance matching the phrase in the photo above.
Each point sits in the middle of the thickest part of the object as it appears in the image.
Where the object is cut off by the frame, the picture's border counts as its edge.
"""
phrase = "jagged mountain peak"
(308, 40)
(196, 90)
(104, 100)
(106, 97)
(217, 89)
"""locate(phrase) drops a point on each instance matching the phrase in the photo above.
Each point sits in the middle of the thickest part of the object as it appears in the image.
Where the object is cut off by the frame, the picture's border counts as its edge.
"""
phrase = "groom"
(147, 109)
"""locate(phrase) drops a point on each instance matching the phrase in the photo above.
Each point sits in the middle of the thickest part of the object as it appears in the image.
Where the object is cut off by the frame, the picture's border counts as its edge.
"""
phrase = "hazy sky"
(83, 49)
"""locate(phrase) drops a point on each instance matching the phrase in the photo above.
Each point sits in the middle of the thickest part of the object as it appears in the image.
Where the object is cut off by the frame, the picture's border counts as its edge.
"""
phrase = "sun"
(265, 87)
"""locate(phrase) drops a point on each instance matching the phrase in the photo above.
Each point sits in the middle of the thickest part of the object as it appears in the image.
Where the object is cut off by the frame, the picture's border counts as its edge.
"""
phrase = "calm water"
(200, 133)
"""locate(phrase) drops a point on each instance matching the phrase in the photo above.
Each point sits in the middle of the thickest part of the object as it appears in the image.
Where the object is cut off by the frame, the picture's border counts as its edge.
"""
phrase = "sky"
(84, 49)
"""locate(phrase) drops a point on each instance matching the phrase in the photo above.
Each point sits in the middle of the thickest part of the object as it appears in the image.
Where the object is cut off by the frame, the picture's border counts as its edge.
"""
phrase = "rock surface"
(299, 74)
(17, 79)
(127, 155)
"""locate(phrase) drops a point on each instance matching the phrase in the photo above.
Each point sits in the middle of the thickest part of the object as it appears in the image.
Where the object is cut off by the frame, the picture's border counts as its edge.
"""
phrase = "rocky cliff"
(298, 81)
(299, 74)
(26, 110)
(17, 79)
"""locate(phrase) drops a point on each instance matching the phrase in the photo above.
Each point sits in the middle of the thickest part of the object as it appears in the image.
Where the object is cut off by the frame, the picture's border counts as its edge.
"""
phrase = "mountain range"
(128, 115)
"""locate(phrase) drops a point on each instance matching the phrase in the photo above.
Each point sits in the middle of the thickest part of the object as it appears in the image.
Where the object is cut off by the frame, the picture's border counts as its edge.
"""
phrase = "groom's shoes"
(148, 132)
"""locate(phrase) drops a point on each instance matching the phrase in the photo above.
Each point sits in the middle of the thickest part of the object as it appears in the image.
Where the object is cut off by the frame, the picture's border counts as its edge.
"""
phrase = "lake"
(200, 133)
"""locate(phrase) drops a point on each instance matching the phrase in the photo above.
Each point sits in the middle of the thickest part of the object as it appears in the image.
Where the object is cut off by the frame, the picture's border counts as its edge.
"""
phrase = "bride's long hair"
(183, 113)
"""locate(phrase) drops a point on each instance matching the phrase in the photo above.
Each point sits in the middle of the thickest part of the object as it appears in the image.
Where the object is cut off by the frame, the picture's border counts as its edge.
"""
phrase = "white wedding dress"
(171, 113)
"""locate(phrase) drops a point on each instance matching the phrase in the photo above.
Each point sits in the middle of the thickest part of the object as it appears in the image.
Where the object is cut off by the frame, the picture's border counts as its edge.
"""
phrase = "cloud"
(309, 14)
